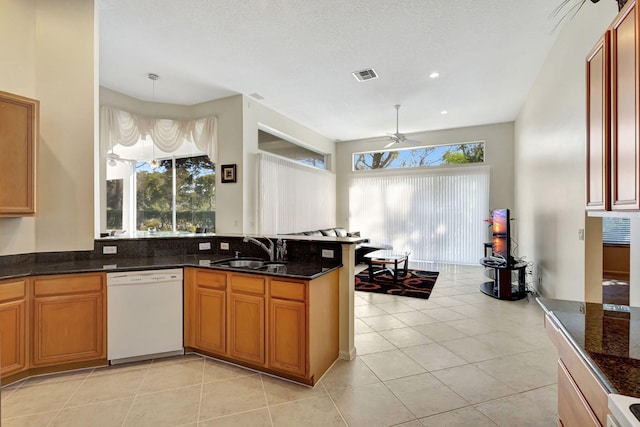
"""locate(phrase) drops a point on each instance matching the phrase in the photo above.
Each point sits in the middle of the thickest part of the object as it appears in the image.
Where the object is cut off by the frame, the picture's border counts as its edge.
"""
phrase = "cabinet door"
(287, 336)
(247, 327)
(12, 337)
(210, 320)
(68, 328)
(625, 126)
(598, 126)
(19, 136)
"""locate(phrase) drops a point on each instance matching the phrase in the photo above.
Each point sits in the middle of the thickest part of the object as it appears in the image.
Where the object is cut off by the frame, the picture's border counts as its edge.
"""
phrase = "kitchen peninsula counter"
(606, 337)
(303, 269)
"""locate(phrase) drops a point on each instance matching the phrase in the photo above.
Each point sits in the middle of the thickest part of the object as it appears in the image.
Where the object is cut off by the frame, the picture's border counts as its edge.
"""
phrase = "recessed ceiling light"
(443, 112)
(434, 75)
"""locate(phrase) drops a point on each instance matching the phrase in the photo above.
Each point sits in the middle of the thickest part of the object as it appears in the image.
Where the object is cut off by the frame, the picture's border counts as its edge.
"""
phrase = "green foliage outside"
(420, 157)
(195, 195)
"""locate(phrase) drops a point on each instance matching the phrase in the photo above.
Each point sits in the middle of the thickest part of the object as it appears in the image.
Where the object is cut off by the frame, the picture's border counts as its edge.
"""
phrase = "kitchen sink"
(245, 263)
(251, 264)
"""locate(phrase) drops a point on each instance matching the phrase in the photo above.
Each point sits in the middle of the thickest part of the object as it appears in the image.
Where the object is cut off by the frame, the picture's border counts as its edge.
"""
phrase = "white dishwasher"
(144, 315)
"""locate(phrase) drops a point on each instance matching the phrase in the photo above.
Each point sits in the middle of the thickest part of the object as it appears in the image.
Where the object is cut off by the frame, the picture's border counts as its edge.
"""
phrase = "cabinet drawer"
(251, 285)
(573, 409)
(584, 379)
(288, 290)
(210, 279)
(65, 284)
(12, 290)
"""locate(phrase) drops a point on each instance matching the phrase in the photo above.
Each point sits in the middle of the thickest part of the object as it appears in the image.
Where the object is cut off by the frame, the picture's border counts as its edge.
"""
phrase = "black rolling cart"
(501, 287)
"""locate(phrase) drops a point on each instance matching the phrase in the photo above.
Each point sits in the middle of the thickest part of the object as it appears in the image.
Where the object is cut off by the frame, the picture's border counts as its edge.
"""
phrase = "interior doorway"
(615, 260)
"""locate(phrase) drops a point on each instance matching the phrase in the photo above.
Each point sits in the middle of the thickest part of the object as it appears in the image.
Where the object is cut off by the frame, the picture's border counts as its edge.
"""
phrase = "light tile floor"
(459, 358)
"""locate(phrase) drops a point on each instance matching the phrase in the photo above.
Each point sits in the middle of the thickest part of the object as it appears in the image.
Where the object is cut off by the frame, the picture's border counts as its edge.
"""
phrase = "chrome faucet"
(270, 249)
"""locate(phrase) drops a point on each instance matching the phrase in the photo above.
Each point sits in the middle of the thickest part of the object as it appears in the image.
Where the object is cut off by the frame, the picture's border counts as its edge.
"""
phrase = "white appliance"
(621, 415)
(144, 315)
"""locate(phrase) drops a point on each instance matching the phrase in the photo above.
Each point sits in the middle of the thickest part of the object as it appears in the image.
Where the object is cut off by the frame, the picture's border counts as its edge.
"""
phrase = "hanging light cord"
(153, 77)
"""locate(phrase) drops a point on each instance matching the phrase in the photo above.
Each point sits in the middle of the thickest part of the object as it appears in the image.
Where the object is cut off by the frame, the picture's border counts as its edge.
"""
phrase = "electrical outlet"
(581, 233)
(327, 253)
(224, 246)
(109, 249)
(204, 246)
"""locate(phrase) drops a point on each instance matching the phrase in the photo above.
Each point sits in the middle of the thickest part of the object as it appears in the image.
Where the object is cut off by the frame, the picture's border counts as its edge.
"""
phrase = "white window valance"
(127, 129)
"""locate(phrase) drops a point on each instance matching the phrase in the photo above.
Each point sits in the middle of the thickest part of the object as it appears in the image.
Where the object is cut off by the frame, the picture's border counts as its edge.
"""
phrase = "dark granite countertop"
(305, 270)
(607, 337)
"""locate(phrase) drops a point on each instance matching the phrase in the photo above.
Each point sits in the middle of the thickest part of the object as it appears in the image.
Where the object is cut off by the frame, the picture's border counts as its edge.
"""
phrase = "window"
(114, 204)
(275, 143)
(177, 196)
(472, 152)
(437, 215)
(616, 231)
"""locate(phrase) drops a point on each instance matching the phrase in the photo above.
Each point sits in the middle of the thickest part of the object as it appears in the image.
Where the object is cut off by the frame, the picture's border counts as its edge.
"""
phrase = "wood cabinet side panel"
(573, 408)
(586, 381)
(324, 317)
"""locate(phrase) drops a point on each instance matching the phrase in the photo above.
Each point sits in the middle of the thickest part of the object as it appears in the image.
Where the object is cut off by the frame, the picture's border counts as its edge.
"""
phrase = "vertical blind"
(294, 197)
(436, 215)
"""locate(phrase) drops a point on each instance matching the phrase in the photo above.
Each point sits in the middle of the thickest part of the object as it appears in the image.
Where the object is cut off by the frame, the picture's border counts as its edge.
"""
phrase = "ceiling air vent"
(363, 75)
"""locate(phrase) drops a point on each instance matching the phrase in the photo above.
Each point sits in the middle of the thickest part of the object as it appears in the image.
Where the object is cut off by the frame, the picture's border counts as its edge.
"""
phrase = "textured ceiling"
(299, 55)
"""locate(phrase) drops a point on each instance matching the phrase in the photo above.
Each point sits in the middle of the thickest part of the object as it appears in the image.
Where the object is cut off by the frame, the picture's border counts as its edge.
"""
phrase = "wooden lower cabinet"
(582, 399)
(284, 326)
(13, 327)
(247, 318)
(287, 336)
(205, 310)
(69, 319)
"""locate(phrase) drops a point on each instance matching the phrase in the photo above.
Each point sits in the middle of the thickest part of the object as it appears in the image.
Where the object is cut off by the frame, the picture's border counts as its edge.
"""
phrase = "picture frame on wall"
(228, 173)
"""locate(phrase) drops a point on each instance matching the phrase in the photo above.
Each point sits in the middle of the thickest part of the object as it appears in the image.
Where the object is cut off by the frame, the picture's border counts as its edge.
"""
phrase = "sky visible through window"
(420, 157)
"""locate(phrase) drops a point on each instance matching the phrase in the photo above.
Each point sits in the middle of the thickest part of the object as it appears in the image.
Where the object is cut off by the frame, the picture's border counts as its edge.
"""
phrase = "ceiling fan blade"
(393, 141)
(413, 142)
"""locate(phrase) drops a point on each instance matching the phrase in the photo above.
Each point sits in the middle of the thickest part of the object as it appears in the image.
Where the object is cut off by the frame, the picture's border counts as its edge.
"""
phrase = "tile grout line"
(69, 398)
(335, 405)
(204, 367)
(266, 399)
(135, 396)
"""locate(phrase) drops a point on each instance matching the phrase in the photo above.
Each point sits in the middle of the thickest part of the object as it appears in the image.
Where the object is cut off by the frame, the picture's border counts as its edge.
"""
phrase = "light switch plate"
(204, 246)
(224, 246)
(327, 253)
(109, 249)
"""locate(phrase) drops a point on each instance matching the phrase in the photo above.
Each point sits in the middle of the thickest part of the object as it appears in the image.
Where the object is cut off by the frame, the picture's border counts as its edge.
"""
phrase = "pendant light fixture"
(154, 164)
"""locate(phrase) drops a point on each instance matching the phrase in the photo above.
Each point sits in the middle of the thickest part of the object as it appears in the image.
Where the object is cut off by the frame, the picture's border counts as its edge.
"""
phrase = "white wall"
(498, 140)
(255, 114)
(48, 54)
(550, 158)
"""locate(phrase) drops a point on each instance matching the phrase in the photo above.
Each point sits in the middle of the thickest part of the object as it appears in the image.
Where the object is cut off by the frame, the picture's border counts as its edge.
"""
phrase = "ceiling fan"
(396, 138)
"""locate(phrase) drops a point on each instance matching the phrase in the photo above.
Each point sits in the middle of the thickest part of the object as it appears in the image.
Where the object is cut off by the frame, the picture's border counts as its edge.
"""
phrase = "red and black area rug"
(416, 283)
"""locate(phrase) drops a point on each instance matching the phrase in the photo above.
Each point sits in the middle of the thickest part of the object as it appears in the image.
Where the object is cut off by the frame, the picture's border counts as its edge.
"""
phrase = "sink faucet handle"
(237, 254)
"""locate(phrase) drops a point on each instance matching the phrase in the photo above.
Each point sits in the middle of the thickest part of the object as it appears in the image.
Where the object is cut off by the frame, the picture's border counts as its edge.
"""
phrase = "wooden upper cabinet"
(624, 113)
(598, 126)
(18, 142)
